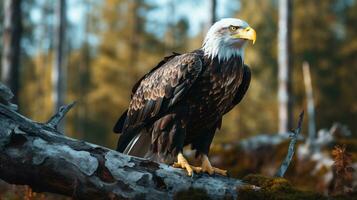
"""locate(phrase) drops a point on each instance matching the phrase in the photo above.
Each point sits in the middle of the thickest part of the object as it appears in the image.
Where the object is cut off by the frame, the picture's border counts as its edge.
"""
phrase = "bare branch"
(294, 136)
(56, 119)
(5, 92)
(5, 96)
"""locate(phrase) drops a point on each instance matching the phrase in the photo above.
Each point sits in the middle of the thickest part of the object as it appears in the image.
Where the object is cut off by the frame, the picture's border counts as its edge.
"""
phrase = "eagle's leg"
(207, 167)
(202, 145)
(183, 163)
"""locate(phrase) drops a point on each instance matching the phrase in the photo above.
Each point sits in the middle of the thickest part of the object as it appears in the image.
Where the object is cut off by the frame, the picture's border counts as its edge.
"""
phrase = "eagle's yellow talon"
(220, 171)
(207, 167)
(183, 163)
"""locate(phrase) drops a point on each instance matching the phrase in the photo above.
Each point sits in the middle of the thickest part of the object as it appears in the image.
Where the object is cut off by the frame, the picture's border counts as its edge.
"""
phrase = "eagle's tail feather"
(140, 145)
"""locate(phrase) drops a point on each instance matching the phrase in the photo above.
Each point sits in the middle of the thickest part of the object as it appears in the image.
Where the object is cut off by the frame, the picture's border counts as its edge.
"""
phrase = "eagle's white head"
(227, 38)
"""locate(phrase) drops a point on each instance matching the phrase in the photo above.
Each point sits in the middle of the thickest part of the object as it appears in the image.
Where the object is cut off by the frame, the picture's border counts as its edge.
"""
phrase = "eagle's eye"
(233, 28)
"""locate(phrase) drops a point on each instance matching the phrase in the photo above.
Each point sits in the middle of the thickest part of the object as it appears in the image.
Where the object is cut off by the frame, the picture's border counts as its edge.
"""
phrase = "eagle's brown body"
(210, 98)
(181, 102)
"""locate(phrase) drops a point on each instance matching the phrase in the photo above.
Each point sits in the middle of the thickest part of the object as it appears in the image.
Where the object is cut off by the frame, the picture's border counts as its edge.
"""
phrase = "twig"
(5, 96)
(294, 136)
(5, 92)
(55, 119)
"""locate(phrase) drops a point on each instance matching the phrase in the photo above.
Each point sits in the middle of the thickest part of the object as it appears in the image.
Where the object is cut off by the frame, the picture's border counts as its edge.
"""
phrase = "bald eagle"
(183, 99)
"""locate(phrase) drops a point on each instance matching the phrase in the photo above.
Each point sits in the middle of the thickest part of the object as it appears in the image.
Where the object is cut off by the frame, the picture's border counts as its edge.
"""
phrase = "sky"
(197, 13)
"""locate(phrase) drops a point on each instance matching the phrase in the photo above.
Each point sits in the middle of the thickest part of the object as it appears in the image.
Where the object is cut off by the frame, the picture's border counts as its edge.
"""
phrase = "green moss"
(191, 194)
(273, 189)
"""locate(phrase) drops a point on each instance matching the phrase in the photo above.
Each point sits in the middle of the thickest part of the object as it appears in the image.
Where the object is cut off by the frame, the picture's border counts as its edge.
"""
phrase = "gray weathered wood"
(35, 154)
(5, 96)
(294, 137)
(56, 119)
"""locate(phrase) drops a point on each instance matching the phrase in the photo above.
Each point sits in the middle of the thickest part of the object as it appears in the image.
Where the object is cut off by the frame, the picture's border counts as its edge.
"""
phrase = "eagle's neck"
(215, 48)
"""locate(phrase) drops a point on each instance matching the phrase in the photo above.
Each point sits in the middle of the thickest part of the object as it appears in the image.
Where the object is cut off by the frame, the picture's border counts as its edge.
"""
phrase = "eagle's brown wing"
(159, 91)
(119, 125)
(242, 89)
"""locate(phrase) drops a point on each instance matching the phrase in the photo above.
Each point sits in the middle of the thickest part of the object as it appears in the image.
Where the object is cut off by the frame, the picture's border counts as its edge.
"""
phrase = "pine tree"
(59, 67)
(10, 72)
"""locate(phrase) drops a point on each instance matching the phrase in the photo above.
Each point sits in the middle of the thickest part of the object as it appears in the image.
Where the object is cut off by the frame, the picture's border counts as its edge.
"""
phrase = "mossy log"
(38, 155)
(274, 188)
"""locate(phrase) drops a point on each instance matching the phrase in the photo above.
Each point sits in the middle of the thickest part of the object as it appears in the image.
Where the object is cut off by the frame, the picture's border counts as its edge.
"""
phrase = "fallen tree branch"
(294, 137)
(56, 119)
(35, 154)
(5, 96)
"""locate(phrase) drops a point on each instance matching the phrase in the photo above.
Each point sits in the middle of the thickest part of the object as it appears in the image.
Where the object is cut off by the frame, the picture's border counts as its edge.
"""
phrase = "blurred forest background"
(106, 46)
(109, 44)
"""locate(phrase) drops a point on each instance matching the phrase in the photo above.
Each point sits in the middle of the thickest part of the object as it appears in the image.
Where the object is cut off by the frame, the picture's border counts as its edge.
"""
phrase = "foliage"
(342, 171)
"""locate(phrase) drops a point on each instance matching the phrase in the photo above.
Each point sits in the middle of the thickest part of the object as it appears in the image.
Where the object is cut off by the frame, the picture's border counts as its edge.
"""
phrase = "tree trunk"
(11, 45)
(59, 72)
(137, 25)
(38, 155)
(169, 40)
(285, 67)
(310, 104)
(213, 11)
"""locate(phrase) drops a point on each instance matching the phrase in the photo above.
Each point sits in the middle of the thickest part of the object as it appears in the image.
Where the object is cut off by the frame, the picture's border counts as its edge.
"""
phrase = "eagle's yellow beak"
(247, 34)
